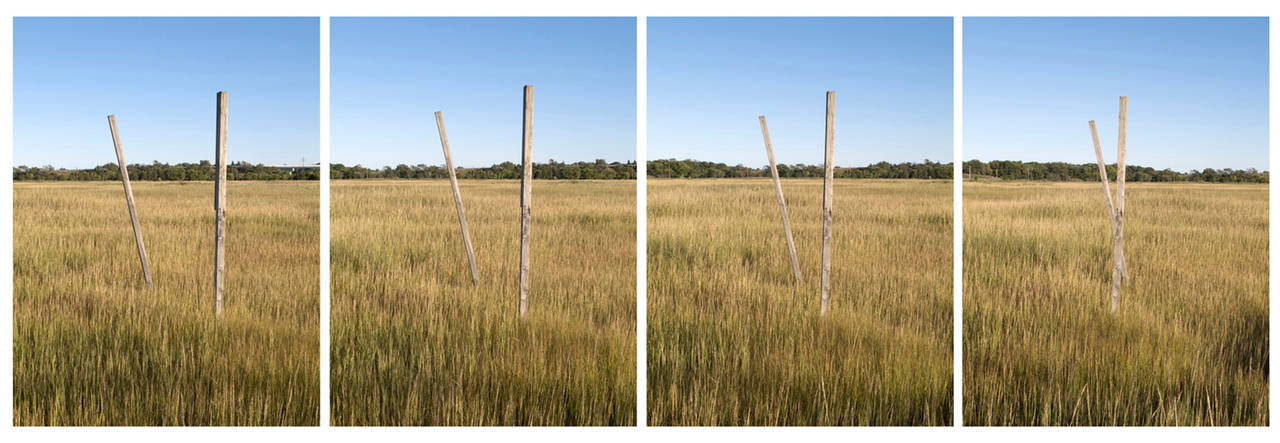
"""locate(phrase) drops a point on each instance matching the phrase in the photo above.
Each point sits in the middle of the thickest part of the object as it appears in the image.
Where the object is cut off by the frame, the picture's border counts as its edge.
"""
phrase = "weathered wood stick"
(128, 198)
(1120, 171)
(828, 195)
(782, 202)
(1111, 212)
(220, 203)
(457, 199)
(1102, 172)
(1115, 276)
(526, 197)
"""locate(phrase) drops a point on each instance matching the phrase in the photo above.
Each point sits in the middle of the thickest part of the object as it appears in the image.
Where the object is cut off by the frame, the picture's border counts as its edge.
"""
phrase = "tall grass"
(1189, 345)
(733, 340)
(414, 342)
(94, 346)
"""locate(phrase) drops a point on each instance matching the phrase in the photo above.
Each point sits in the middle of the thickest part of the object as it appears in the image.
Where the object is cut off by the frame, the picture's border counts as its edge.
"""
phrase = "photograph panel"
(179, 286)
(1142, 302)
(800, 221)
(483, 222)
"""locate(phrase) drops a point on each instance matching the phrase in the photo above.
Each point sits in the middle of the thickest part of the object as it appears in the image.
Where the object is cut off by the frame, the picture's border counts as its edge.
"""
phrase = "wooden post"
(1111, 213)
(1102, 172)
(457, 199)
(782, 202)
(220, 202)
(827, 196)
(1120, 172)
(526, 197)
(128, 198)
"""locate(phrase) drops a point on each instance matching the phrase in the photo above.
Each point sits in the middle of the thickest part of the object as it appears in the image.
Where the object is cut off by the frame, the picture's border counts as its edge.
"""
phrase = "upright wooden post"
(220, 202)
(782, 202)
(526, 197)
(1120, 173)
(128, 198)
(827, 196)
(457, 199)
(1115, 222)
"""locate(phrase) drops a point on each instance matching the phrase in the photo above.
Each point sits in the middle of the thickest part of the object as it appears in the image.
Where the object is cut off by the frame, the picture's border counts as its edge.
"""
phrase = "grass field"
(93, 346)
(1189, 345)
(733, 340)
(414, 342)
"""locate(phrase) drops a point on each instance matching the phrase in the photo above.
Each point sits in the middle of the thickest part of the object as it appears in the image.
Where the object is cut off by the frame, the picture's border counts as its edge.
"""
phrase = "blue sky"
(389, 76)
(709, 78)
(160, 77)
(1197, 90)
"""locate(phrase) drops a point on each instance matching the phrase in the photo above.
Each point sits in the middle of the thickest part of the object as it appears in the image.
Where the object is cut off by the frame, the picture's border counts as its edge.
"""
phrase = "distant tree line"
(1001, 169)
(672, 168)
(157, 171)
(1058, 171)
(551, 170)
(669, 168)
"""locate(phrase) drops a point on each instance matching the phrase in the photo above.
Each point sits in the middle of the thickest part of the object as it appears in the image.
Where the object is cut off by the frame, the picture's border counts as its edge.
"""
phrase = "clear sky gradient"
(709, 79)
(1197, 90)
(160, 77)
(390, 75)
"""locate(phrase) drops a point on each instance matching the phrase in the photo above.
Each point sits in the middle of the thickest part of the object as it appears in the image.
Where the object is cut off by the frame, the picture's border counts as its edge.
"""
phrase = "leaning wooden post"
(220, 203)
(1120, 173)
(1102, 172)
(457, 199)
(782, 202)
(1111, 215)
(526, 197)
(827, 196)
(128, 198)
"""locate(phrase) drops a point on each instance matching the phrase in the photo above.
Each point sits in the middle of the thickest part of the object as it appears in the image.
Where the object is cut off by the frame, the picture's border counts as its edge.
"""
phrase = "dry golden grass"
(1189, 345)
(94, 346)
(733, 340)
(415, 343)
